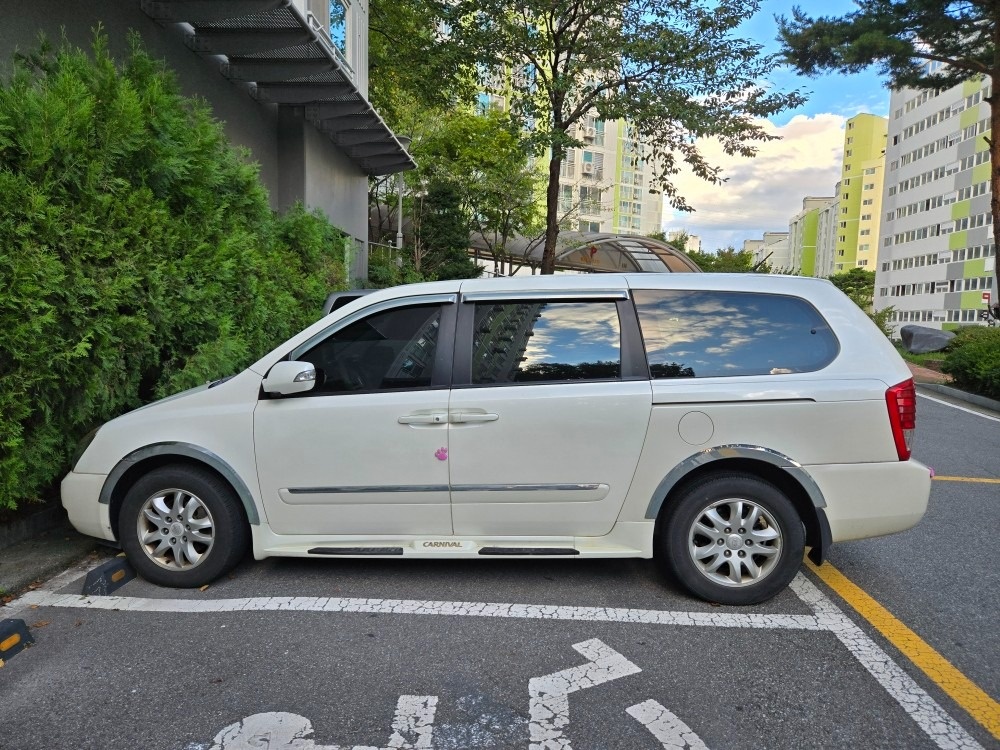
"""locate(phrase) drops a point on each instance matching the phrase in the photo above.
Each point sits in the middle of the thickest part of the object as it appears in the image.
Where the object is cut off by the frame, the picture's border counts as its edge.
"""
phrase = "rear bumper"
(80, 497)
(866, 500)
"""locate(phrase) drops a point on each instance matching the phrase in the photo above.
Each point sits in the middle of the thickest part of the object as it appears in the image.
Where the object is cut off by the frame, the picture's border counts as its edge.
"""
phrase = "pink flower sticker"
(441, 454)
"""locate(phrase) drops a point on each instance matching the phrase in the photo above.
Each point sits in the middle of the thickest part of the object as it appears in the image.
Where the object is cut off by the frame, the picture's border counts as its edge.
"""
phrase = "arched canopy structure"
(593, 252)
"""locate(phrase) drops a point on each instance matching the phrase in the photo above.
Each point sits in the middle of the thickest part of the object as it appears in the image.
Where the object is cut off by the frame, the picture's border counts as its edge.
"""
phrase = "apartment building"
(860, 193)
(803, 237)
(937, 256)
(773, 248)
(607, 184)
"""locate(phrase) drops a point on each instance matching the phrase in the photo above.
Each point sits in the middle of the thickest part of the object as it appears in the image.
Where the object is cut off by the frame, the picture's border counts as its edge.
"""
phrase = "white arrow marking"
(665, 726)
(413, 729)
(549, 695)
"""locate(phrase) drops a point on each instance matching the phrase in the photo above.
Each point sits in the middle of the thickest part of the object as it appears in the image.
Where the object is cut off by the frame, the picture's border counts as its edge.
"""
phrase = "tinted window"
(700, 334)
(546, 341)
(386, 351)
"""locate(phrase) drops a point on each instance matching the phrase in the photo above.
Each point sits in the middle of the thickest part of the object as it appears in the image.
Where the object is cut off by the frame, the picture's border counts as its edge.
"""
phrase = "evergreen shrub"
(973, 360)
(138, 252)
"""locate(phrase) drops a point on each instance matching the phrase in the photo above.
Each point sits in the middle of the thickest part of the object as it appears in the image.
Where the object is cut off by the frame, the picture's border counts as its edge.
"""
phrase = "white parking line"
(416, 607)
(943, 730)
(960, 408)
(924, 710)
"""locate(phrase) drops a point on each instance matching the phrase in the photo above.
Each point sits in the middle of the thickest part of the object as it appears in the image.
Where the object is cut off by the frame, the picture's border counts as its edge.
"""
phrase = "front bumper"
(81, 498)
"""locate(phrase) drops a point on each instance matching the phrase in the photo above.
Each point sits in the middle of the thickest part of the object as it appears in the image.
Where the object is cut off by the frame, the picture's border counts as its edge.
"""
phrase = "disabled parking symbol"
(413, 723)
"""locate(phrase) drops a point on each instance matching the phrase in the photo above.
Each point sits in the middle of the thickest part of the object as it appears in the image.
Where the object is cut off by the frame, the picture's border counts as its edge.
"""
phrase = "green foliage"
(678, 72)
(411, 65)
(858, 284)
(728, 260)
(387, 267)
(485, 161)
(138, 255)
(974, 360)
(897, 36)
(444, 234)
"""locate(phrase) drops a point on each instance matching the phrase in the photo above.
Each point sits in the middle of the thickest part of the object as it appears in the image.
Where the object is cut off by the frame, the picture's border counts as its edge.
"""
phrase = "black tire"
(208, 539)
(697, 556)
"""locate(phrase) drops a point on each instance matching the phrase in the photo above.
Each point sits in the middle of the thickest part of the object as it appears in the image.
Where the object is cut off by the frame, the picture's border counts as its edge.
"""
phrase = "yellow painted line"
(960, 688)
(978, 480)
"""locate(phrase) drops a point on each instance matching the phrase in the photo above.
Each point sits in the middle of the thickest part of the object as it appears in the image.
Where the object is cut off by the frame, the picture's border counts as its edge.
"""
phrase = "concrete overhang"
(285, 58)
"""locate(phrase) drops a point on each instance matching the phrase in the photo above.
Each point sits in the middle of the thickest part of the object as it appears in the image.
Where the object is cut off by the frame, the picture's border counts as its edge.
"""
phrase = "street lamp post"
(405, 143)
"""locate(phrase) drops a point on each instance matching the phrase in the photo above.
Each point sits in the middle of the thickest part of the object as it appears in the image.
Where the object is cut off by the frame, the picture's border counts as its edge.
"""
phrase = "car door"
(364, 452)
(548, 412)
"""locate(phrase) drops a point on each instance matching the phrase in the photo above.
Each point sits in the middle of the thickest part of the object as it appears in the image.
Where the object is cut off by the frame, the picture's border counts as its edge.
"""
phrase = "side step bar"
(356, 551)
(528, 551)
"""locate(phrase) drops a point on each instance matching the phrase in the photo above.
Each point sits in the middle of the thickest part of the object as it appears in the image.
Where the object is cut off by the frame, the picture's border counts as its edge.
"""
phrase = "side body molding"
(190, 451)
(720, 452)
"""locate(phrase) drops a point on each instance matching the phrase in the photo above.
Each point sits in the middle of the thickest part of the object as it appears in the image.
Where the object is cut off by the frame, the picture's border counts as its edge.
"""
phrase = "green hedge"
(973, 360)
(138, 254)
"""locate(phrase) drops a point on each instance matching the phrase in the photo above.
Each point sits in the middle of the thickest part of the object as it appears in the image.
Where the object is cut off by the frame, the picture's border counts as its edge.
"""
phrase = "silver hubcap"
(734, 542)
(176, 529)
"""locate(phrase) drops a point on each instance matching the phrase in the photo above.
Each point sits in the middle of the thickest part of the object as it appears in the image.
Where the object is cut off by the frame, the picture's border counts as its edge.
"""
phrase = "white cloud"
(763, 193)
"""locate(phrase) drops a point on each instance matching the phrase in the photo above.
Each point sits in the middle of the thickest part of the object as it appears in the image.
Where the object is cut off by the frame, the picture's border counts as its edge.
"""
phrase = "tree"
(727, 260)
(487, 160)
(675, 71)
(444, 234)
(411, 64)
(858, 284)
(900, 37)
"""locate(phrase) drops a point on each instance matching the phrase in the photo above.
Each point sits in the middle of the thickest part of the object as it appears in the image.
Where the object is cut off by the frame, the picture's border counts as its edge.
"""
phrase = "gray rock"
(921, 339)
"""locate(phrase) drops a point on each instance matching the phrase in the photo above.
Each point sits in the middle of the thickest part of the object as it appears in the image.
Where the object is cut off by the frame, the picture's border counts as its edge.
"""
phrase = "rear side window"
(703, 334)
(537, 342)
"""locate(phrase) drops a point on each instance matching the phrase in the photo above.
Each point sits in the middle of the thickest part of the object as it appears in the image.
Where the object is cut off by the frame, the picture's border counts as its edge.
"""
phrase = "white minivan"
(717, 423)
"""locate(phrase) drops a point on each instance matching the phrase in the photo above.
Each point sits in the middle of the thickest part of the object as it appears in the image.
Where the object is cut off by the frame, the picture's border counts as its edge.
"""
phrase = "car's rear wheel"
(182, 526)
(732, 538)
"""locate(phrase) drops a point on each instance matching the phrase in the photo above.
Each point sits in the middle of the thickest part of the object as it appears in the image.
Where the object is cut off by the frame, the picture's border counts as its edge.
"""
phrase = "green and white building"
(606, 185)
(937, 254)
(860, 193)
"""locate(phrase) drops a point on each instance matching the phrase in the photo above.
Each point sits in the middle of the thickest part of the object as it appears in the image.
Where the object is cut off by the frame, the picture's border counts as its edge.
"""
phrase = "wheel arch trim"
(187, 450)
(822, 537)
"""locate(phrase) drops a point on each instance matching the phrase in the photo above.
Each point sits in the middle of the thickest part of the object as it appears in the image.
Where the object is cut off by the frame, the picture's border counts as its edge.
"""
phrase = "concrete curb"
(970, 398)
(50, 517)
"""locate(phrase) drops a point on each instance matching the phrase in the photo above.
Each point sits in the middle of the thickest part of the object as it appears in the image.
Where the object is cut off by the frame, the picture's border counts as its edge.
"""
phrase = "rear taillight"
(902, 403)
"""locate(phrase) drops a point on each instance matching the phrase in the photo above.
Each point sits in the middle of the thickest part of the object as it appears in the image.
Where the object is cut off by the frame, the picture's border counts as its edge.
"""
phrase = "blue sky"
(837, 94)
(762, 194)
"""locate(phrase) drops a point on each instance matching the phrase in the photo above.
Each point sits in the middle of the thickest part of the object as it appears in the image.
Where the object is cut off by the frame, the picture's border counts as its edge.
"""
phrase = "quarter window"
(700, 334)
(390, 350)
(532, 342)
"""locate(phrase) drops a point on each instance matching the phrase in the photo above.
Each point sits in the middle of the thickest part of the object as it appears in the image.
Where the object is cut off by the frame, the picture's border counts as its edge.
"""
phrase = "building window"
(862, 262)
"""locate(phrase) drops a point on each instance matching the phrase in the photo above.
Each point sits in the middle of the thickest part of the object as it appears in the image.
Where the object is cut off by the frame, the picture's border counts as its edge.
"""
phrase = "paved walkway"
(927, 375)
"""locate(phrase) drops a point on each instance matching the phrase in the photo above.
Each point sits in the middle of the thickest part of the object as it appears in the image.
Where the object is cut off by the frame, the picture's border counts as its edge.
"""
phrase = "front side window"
(532, 342)
(701, 334)
(390, 350)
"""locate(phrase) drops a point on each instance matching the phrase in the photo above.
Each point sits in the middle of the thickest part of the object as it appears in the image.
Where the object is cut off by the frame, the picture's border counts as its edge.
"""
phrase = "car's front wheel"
(182, 526)
(732, 538)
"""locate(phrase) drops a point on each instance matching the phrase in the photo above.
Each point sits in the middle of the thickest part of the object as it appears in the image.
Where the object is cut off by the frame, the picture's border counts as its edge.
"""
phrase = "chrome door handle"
(467, 417)
(437, 417)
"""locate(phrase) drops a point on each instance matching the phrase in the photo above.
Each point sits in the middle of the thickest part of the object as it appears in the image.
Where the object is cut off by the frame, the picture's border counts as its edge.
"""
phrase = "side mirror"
(286, 378)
